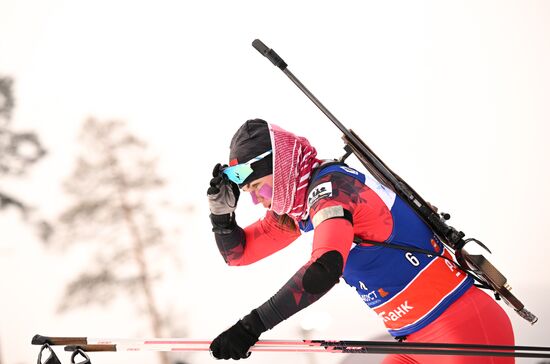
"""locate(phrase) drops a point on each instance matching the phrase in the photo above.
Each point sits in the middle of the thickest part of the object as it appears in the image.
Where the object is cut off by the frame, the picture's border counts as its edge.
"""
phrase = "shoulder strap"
(337, 167)
(317, 171)
(359, 241)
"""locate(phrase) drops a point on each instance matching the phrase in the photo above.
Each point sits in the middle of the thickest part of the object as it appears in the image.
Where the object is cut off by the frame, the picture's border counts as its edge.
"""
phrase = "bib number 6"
(412, 259)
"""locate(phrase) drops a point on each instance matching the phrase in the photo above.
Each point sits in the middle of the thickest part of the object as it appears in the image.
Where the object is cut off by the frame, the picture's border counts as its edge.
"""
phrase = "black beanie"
(252, 139)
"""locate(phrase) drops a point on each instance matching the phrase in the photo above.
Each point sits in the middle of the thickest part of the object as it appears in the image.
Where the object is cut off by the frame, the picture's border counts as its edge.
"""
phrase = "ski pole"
(329, 346)
(323, 349)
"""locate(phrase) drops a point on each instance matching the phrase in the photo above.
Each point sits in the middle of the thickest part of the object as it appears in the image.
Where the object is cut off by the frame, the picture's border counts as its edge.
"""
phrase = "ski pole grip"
(269, 54)
(88, 348)
(41, 340)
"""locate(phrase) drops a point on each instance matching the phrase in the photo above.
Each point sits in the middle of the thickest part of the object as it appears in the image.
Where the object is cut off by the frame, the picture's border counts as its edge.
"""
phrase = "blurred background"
(113, 113)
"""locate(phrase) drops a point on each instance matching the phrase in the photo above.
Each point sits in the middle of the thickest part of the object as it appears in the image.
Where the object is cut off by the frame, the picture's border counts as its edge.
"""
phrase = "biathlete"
(419, 297)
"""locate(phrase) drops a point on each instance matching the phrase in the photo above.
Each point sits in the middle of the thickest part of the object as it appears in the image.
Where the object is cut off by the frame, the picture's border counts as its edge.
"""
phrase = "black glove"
(223, 194)
(235, 342)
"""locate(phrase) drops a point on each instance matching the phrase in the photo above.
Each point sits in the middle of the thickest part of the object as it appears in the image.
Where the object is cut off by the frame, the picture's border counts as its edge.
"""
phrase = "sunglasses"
(240, 172)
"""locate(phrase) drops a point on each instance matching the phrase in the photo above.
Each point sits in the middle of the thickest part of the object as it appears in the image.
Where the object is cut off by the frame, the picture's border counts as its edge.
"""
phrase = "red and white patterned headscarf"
(293, 160)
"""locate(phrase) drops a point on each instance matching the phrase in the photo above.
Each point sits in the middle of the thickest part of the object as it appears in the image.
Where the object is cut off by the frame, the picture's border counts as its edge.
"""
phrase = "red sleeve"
(333, 234)
(263, 238)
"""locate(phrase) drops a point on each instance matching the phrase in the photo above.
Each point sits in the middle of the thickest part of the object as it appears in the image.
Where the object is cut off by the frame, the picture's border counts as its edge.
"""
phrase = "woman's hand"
(223, 194)
(235, 342)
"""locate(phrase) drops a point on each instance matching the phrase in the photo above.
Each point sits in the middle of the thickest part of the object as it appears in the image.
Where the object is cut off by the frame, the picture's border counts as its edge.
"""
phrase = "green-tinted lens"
(238, 173)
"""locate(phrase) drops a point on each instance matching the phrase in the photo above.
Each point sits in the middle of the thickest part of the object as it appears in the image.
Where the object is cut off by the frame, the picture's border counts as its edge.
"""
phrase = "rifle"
(475, 264)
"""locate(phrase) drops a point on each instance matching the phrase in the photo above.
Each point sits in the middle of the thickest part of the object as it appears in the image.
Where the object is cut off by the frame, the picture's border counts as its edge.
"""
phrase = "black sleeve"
(291, 298)
(230, 237)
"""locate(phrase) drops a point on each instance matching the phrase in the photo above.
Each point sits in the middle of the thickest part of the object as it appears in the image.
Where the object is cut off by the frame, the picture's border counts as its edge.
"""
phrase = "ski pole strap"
(85, 358)
(52, 358)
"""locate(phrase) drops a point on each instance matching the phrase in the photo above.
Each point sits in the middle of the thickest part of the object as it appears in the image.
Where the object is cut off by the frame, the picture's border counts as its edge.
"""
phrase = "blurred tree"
(18, 151)
(111, 190)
